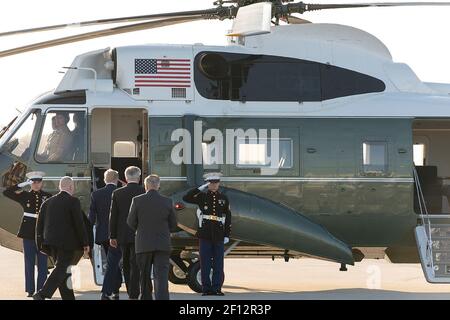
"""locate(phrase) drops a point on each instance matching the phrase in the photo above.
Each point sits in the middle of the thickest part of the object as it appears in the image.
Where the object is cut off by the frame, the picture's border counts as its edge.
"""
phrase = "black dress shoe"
(37, 296)
(219, 293)
(116, 296)
(106, 297)
(30, 295)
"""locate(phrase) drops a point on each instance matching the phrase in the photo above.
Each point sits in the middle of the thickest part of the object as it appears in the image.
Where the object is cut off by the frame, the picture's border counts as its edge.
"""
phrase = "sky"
(417, 36)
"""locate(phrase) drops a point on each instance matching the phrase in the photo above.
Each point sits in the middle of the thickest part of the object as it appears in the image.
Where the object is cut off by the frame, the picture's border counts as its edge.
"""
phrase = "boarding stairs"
(433, 241)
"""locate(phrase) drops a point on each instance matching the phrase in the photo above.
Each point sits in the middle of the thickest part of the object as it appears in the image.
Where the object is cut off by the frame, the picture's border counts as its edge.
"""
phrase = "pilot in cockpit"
(59, 142)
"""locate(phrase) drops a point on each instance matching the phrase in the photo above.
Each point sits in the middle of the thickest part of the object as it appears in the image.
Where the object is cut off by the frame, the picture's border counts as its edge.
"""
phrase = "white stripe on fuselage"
(297, 179)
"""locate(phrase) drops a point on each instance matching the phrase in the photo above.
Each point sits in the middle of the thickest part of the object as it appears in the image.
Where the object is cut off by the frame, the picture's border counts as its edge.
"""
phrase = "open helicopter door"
(432, 196)
(119, 139)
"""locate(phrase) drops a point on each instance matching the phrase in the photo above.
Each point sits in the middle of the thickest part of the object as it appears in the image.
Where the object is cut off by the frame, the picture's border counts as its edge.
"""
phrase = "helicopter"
(328, 148)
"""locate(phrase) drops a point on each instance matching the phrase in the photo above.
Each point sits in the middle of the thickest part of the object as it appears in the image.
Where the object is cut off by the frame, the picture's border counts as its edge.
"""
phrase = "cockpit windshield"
(19, 143)
(7, 127)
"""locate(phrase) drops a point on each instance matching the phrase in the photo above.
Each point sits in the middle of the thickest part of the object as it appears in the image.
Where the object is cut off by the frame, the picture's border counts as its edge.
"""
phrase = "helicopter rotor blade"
(221, 12)
(208, 12)
(100, 33)
(302, 7)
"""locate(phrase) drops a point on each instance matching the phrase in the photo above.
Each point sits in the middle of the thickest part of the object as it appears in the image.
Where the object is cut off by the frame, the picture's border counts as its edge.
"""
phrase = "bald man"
(61, 231)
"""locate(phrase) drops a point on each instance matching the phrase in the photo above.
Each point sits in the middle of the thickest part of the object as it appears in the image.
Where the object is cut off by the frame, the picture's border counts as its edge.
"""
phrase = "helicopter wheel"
(178, 276)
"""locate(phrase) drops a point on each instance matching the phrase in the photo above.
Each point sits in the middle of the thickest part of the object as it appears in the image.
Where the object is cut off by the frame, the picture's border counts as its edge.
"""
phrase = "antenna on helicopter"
(225, 9)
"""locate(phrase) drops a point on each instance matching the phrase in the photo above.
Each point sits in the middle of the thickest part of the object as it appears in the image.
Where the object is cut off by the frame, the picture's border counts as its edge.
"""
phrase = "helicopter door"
(119, 139)
(431, 160)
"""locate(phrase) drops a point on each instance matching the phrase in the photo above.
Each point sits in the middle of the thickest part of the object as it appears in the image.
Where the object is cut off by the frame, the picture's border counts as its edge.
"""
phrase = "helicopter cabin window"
(375, 157)
(243, 77)
(124, 149)
(339, 82)
(253, 153)
(19, 143)
(63, 138)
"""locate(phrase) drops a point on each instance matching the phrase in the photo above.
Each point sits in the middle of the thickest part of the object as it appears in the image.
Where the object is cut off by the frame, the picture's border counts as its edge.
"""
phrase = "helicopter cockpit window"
(19, 143)
(245, 77)
(63, 138)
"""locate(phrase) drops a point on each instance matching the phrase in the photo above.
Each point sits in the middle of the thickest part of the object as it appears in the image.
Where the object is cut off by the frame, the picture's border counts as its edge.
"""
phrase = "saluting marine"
(214, 228)
(31, 203)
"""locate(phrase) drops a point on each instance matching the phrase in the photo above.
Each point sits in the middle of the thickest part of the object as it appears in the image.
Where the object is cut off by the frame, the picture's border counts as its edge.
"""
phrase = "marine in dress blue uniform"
(31, 203)
(213, 231)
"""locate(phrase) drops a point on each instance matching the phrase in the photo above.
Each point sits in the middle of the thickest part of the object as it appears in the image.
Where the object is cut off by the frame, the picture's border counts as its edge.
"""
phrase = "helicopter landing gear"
(178, 270)
(343, 267)
(286, 256)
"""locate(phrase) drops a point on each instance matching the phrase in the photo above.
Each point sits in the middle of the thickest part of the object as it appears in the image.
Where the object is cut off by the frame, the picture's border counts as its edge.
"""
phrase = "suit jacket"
(99, 212)
(61, 224)
(153, 218)
(120, 207)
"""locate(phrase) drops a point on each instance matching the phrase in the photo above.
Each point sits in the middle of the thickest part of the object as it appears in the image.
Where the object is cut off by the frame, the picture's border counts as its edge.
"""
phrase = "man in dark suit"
(120, 233)
(99, 215)
(153, 217)
(61, 231)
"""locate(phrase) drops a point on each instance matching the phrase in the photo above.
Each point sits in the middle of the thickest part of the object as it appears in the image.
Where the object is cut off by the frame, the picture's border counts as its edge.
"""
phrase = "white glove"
(226, 240)
(25, 183)
(200, 218)
(203, 187)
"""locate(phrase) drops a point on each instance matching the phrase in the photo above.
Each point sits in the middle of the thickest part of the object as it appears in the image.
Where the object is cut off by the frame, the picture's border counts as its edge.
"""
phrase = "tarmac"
(264, 279)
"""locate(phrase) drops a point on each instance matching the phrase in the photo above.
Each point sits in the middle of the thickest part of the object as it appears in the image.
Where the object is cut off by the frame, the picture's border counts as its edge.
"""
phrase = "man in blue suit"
(99, 215)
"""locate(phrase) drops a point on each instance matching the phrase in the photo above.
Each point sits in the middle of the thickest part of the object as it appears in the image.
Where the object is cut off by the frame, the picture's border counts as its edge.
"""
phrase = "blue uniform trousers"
(31, 256)
(211, 257)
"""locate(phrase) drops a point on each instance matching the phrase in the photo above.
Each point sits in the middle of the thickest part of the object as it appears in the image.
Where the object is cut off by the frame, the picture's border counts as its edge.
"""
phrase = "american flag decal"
(174, 73)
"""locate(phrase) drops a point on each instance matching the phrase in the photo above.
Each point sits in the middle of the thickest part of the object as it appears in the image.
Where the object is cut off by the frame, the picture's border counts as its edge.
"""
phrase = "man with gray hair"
(61, 230)
(99, 215)
(153, 218)
(120, 234)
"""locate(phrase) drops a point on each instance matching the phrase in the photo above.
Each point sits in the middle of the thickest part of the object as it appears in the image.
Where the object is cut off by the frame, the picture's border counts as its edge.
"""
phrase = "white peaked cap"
(35, 175)
(212, 176)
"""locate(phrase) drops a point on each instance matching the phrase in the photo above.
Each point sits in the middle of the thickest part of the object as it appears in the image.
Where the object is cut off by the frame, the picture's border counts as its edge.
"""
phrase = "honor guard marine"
(214, 227)
(31, 203)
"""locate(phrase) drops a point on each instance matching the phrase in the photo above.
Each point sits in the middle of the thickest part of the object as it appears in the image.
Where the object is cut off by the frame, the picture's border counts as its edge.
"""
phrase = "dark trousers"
(60, 276)
(31, 256)
(113, 275)
(130, 270)
(211, 257)
(159, 261)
